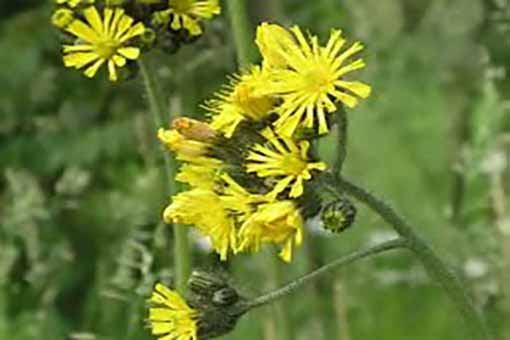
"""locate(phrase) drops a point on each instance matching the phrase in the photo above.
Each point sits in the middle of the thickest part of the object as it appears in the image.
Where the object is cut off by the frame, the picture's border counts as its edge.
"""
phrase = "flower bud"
(339, 215)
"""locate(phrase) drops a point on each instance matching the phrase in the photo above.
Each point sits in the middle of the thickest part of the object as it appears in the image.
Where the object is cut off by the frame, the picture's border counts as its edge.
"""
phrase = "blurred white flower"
(494, 163)
(475, 268)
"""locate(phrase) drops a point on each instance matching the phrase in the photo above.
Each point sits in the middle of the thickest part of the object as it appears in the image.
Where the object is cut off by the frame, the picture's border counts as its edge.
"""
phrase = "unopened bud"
(62, 17)
(338, 215)
(194, 129)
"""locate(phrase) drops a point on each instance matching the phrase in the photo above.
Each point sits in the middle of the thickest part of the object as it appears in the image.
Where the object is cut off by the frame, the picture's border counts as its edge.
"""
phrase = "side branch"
(435, 267)
(298, 283)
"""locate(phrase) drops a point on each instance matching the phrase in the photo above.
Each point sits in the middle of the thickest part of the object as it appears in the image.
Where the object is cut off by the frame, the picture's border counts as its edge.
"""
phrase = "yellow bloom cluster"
(114, 32)
(235, 217)
(248, 169)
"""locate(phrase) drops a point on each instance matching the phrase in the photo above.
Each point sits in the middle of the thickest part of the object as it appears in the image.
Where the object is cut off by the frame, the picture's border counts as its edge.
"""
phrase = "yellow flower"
(239, 101)
(172, 318)
(284, 159)
(307, 77)
(102, 40)
(187, 14)
(215, 213)
(278, 222)
(204, 210)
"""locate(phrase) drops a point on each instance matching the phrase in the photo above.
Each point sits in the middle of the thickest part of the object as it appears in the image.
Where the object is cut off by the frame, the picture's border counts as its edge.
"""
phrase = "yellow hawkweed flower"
(239, 101)
(284, 159)
(308, 77)
(187, 14)
(213, 214)
(172, 318)
(102, 40)
(204, 210)
(278, 222)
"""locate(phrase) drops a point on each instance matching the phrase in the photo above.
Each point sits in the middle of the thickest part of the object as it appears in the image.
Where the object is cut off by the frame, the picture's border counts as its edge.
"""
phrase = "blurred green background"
(82, 187)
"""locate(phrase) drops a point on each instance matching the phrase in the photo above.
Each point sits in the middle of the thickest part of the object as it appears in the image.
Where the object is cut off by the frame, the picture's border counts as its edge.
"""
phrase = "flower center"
(180, 6)
(106, 48)
(255, 107)
(319, 78)
(293, 165)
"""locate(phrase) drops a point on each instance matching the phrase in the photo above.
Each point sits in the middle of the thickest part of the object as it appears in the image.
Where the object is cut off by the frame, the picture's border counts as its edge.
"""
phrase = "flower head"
(172, 318)
(307, 77)
(285, 160)
(102, 40)
(187, 14)
(277, 222)
(239, 101)
(204, 210)
(214, 211)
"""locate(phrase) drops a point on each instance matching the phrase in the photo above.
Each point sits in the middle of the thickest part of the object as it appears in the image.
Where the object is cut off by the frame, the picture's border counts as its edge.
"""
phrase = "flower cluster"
(250, 166)
(115, 32)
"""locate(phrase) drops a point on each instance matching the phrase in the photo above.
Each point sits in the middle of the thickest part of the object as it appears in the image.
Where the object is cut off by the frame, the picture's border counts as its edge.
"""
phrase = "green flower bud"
(339, 215)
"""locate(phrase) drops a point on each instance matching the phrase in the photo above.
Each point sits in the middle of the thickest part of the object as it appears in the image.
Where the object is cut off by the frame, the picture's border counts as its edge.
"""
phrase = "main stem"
(434, 266)
(158, 109)
(335, 264)
(240, 26)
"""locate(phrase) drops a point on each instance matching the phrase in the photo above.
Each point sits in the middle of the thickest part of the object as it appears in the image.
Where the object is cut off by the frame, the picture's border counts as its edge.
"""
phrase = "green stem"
(283, 318)
(341, 141)
(159, 110)
(335, 264)
(434, 266)
(240, 25)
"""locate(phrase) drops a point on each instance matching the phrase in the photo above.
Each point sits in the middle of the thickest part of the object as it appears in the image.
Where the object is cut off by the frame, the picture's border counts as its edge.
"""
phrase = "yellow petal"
(79, 59)
(93, 18)
(129, 52)
(112, 72)
(92, 70)
(83, 31)
(358, 88)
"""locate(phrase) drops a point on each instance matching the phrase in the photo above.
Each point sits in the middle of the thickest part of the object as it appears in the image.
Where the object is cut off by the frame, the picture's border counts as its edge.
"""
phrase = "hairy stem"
(335, 264)
(159, 110)
(435, 267)
(240, 25)
(341, 141)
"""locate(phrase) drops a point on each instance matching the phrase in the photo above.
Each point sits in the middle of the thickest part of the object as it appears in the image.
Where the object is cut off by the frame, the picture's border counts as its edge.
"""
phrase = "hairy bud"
(338, 215)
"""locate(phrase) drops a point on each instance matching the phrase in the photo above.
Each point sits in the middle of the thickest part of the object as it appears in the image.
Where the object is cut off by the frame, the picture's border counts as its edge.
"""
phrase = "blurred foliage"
(81, 185)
